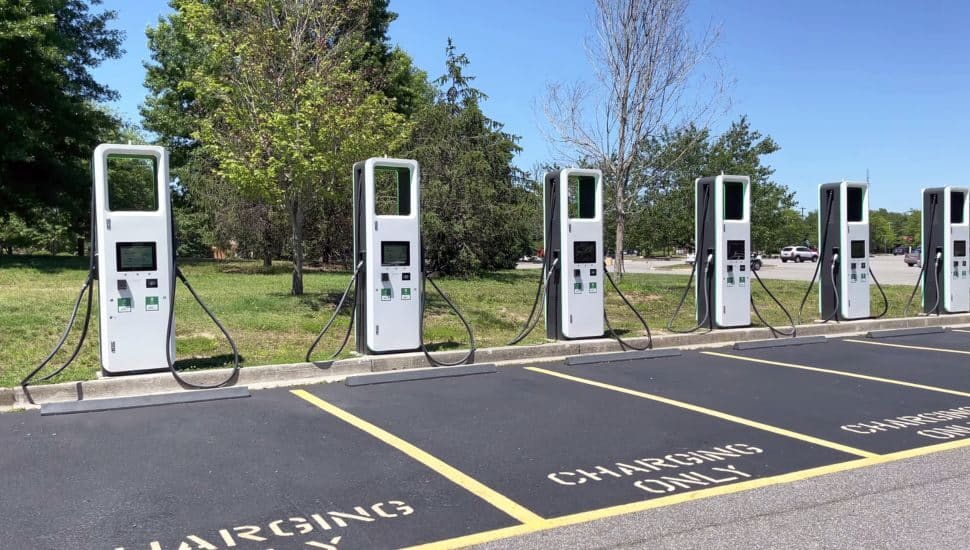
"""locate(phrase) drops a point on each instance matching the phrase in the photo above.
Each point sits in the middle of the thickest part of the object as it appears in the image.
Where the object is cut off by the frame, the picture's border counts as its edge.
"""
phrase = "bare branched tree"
(644, 62)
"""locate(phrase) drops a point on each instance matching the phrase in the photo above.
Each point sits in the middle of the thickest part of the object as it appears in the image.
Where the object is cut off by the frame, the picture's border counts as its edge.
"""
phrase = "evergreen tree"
(475, 217)
(49, 118)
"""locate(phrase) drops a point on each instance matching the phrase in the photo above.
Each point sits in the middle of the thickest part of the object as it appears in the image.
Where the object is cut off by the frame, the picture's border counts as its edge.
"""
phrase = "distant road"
(889, 270)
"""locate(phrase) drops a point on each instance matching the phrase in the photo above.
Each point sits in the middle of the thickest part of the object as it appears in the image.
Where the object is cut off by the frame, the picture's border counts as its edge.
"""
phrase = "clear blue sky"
(841, 86)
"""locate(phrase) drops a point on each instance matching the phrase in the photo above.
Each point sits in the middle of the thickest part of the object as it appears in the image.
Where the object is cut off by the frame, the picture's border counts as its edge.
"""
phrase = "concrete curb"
(270, 376)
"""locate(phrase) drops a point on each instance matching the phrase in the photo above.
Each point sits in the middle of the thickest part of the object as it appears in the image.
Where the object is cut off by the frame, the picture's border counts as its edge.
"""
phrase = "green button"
(151, 303)
(124, 305)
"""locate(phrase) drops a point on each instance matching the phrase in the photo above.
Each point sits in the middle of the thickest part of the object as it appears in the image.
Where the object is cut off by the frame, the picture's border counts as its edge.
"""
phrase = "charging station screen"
(858, 249)
(735, 250)
(733, 200)
(395, 253)
(584, 252)
(853, 205)
(136, 257)
(959, 248)
(957, 200)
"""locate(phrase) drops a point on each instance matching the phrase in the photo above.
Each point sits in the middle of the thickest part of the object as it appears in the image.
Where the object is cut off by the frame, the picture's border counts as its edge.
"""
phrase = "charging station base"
(119, 403)
(904, 332)
(780, 342)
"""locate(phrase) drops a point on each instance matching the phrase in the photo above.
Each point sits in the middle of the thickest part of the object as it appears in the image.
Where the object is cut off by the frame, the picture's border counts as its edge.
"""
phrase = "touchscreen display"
(136, 257)
(735, 250)
(395, 253)
(858, 249)
(584, 252)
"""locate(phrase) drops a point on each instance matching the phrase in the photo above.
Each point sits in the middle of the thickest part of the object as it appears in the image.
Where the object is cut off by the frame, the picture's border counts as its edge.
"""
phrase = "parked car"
(914, 258)
(798, 254)
(899, 250)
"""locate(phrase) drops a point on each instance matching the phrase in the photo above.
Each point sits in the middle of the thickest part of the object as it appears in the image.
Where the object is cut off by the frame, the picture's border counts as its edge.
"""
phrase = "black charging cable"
(818, 266)
(923, 268)
(708, 275)
(774, 331)
(470, 356)
(168, 337)
(548, 270)
(87, 287)
(541, 292)
(624, 344)
(352, 285)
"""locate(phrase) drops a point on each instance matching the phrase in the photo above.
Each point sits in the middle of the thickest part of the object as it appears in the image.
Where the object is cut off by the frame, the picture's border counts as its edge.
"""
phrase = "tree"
(48, 113)
(475, 217)
(881, 235)
(252, 223)
(643, 58)
(912, 228)
(284, 116)
(665, 208)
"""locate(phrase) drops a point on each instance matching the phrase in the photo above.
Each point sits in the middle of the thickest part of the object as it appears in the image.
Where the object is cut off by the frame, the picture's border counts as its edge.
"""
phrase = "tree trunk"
(296, 223)
(267, 257)
(620, 231)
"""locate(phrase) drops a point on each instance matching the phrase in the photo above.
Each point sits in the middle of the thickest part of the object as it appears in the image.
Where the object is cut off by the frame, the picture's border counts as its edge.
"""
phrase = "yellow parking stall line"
(710, 412)
(451, 473)
(839, 373)
(905, 346)
(613, 511)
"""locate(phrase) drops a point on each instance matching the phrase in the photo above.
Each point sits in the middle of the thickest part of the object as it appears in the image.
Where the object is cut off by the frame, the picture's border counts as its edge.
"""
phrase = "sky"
(845, 88)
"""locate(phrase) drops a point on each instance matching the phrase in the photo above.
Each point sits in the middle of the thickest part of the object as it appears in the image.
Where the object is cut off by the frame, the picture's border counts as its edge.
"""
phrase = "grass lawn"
(271, 326)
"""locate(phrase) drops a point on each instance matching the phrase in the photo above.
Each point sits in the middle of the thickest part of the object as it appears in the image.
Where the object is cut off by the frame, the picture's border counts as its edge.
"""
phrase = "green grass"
(271, 326)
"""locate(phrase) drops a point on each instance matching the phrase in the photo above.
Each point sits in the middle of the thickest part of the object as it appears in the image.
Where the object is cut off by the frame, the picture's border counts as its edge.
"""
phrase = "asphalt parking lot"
(466, 460)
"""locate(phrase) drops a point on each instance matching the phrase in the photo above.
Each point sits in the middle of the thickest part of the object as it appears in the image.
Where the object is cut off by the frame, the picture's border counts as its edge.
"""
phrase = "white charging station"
(844, 250)
(387, 239)
(945, 234)
(723, 241)
(573, 236)
(135, 260)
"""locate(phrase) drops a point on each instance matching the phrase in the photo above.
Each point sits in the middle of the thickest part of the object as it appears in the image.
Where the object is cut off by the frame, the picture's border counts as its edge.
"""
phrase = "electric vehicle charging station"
(573, 269)
(843, 230)
(389, 275)
(133, 259)
(136, 267)
(945, 234)
(573, 239)
(387, 221)
(723, 245)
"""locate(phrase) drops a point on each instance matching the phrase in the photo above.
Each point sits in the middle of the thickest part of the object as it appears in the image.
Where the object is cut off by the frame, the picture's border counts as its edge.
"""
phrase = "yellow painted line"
(711, 412)
(612, 511)
(839, 373)
(904, 346)
(454, 475)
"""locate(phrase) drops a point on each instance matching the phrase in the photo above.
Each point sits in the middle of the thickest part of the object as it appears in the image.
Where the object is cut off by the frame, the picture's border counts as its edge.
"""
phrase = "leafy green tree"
(912, 228)
(669, 166)
(284, 116)
(881, 235)
(475, 217)
(48, 112)
(253, 224)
